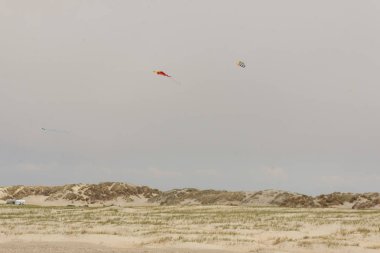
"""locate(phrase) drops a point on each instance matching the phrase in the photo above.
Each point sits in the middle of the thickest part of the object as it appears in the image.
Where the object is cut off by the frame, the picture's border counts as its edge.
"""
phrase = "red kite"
(161, 73)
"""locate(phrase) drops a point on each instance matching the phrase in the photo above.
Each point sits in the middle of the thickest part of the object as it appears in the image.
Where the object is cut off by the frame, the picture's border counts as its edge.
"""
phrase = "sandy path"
(77, 247)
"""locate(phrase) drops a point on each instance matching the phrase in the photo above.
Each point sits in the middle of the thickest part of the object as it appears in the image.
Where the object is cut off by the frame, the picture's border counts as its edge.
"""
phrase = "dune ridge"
(118, 193)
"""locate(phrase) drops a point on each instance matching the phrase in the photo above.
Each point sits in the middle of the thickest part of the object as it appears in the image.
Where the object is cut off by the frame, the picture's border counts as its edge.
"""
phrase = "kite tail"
(52, 130)
(175, 80)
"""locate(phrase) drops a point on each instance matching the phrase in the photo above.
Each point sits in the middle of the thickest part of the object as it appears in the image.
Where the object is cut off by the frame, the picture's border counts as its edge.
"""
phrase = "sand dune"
(122, 194)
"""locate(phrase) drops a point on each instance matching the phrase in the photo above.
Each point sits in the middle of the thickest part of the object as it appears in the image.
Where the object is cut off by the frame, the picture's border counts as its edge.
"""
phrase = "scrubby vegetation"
(227, 226)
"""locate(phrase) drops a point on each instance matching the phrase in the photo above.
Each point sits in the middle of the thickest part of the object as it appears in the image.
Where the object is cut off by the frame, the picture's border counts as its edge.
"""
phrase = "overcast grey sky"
(303, 116)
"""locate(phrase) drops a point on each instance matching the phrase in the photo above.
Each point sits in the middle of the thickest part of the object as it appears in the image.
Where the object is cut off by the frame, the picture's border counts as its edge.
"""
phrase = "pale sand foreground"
(198, 229)
(77, 247)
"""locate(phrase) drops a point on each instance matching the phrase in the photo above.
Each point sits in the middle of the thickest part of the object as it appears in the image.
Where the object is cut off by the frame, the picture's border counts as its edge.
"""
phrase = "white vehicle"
(20, 202)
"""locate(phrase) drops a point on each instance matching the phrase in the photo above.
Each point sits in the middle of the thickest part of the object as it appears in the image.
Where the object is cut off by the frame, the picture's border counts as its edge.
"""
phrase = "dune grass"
(234, 226)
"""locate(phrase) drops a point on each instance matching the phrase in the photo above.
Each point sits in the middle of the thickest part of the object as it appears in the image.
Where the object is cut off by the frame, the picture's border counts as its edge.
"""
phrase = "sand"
(193, 229)
(77, 247)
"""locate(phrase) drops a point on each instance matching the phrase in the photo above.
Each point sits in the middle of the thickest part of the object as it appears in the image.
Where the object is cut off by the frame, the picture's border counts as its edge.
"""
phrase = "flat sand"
(76, 247)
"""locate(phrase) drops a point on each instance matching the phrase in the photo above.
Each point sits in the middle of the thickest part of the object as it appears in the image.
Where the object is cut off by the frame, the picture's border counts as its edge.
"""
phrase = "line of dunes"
(116, 193)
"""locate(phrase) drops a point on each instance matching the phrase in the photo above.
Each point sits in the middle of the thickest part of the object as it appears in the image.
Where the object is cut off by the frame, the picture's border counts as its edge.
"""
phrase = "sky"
(302, 116)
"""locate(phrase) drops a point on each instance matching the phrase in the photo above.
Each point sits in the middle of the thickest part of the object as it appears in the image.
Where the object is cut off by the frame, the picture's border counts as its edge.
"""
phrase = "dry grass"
(227, 226)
